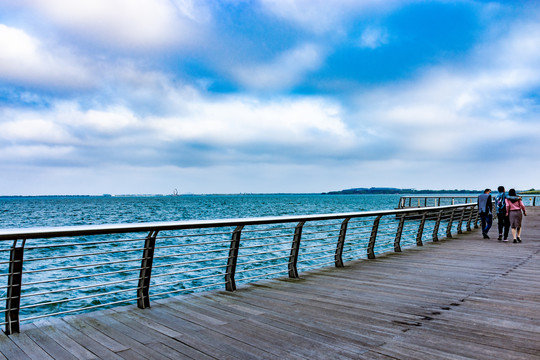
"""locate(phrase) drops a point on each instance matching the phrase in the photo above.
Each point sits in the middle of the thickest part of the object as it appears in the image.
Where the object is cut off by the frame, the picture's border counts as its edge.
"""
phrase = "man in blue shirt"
(484, 208)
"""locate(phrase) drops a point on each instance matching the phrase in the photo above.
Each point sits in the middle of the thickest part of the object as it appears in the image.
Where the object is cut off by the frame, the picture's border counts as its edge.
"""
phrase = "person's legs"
(485, 226)
(489, 222)
(506, 226)
(514, 234)
(501, 224)
(483, 222)
(519, 234)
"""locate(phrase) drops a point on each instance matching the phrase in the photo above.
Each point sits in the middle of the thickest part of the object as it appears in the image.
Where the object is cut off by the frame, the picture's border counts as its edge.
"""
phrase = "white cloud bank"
(238, 124)
(27, 60)
(133, 25)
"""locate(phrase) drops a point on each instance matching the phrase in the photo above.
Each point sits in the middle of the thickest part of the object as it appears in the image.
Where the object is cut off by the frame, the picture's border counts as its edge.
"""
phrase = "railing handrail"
(440, 196)
(79, 230)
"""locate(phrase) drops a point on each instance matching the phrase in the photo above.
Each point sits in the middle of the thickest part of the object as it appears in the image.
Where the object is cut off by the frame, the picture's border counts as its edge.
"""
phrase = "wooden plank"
(48, 344)
(10, 350)
(49, 326)
(31, 348)
(110, 343)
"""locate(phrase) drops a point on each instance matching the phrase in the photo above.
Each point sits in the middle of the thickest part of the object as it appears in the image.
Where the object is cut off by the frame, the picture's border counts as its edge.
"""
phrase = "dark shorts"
(515, 218)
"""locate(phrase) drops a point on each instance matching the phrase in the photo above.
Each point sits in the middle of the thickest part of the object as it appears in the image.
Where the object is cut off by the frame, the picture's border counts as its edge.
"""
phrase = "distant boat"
(175, 192)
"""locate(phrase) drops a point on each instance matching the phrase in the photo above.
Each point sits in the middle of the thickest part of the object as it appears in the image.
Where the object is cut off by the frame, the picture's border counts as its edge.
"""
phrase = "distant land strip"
(386, 190)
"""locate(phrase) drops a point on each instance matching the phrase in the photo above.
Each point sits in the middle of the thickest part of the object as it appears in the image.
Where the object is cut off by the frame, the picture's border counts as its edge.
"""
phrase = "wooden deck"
(462, 298)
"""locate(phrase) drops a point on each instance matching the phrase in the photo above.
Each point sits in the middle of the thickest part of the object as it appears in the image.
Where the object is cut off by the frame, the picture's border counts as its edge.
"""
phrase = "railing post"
(469, 220)
(461, 221)
(13, 299)
(373, 237)
(476, 220)
(450, 222)
(397, 240)
(421, 231)
(143, 289)
(341, 243)
(435, 236)
(295, 249)
(230, 284)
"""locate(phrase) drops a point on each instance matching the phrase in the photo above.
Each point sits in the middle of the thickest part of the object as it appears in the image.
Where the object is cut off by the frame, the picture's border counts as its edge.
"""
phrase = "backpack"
(500, 202)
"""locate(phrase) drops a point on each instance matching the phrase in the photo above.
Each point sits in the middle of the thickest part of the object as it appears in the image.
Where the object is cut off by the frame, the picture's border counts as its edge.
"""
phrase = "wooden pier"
(461, 298)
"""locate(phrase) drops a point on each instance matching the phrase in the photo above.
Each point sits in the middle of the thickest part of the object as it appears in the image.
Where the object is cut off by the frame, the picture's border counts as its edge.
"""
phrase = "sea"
(69, 275)
(27, 212)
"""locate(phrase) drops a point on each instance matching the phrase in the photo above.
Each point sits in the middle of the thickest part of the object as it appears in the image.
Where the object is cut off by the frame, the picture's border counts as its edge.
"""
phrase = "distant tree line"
(382, 190)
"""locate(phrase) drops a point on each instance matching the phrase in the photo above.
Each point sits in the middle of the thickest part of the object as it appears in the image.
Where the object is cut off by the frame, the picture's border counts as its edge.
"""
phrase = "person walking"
(484, 209)
(514, 209)
(503, 221)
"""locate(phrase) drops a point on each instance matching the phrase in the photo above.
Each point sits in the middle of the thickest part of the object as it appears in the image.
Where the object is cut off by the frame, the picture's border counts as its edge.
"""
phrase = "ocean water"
(25, 212)
(66, 275)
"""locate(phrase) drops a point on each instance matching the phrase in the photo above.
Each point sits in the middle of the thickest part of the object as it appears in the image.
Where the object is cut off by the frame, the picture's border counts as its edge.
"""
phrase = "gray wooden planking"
(461, 298)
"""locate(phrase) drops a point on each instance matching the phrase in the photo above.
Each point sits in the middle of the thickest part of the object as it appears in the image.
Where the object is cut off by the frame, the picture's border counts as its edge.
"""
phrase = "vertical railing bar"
(295, 249)
(143, 288)
(469, 220)
(341, 243)
(460, 223)
(13, 296)
(421, 230)
(399, 231)
(450, 222)
(476, 220)
(435, 236)
(372, 238)
(230, 284)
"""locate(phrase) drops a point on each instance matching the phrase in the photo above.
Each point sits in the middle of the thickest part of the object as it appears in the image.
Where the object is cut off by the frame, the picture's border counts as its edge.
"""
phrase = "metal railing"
(65, 270)
(411, 201)
(529, 200)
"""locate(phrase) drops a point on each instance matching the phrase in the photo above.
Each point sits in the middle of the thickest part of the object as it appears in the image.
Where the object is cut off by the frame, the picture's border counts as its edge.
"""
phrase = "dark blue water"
(25, 212)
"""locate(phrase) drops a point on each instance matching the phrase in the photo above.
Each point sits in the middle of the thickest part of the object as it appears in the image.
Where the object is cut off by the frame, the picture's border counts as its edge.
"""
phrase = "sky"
(267, 96)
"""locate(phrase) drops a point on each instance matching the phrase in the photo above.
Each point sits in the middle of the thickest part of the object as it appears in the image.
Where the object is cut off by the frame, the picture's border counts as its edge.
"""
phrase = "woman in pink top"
(513, 210)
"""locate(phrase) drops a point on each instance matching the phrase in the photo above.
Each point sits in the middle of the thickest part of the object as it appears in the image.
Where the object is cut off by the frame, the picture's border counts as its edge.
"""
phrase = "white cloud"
(309, 125)
(232, 122)
(322, 15)
(285, 71)
(373, 38)
(128, 24)
(27, 60)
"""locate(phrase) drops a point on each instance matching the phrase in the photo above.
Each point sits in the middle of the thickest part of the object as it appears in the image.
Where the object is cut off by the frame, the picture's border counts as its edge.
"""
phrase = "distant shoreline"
(359, 191)
(396, 191)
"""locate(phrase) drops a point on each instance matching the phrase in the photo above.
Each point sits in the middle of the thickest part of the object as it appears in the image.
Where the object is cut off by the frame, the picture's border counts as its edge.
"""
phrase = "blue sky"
(145, 96)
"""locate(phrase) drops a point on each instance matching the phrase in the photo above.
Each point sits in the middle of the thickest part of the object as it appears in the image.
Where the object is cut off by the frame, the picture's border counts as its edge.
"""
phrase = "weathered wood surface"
(462, 298)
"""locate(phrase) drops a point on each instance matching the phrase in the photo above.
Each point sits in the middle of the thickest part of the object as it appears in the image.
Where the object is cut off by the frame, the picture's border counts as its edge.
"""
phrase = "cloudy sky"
(230, 96)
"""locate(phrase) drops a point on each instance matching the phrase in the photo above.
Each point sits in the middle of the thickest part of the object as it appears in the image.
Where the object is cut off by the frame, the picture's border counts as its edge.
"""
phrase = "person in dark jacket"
(503, 221)
(484, 208)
